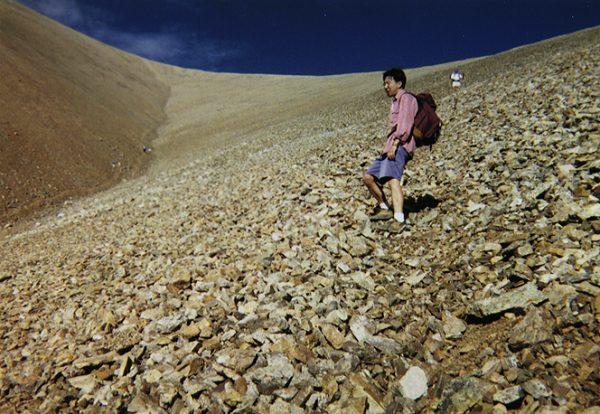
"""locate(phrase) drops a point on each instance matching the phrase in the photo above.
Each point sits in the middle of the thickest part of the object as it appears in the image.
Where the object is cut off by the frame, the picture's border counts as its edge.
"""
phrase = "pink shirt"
(402, 116)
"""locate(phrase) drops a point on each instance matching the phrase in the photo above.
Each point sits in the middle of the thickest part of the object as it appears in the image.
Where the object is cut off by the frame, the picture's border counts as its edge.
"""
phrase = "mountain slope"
(251, 280)
(75, 113)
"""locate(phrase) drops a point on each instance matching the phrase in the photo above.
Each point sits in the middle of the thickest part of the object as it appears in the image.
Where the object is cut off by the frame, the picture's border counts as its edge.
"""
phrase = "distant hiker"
(456, 78)
(399, 148)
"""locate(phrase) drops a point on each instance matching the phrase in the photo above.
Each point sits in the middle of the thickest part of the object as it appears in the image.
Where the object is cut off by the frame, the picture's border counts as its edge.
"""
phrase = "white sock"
(383, 206)
(399, 217)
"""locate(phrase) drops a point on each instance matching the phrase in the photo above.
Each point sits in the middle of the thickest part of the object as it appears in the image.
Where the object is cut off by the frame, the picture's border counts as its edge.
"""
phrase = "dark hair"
(398, 75)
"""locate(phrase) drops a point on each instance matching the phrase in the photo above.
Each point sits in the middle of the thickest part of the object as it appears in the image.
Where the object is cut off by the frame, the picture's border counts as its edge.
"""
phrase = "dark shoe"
(394, 227)
(381, 214)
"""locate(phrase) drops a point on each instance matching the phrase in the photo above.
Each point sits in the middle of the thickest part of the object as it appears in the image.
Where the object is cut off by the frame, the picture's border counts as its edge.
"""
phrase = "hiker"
(456, 78)
(399, 148)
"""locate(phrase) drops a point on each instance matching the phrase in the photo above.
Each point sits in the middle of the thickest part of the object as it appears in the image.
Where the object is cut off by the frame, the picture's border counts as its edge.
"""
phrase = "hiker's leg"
(374, 188)
(397, 196)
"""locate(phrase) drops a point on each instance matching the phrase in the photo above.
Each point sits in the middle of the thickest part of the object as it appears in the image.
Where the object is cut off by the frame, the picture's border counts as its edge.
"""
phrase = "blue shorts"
(384, 169)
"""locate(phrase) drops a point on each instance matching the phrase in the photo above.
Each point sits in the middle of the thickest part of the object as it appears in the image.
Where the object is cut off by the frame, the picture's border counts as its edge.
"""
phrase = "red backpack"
(428, 125)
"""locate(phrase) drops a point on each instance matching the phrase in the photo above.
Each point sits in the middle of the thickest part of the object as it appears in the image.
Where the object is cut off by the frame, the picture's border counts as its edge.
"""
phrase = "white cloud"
(176, 48)
(156, 46)
(172, 46)
(67, 12)
(214, 54)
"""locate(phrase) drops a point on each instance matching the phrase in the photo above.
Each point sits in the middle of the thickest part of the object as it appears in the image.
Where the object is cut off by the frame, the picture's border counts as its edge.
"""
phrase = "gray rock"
(537, 389)
(86, 384)
(453, 326)
(461, 394)
(509, 395)
(518, 298)
(533, 329)
(170, 323)
(359, 328)
(274, 376)
(237, 359)
(413, 385)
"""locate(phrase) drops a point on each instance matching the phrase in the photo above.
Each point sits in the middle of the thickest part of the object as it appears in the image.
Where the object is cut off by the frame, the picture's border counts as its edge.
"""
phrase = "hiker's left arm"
(407, 111)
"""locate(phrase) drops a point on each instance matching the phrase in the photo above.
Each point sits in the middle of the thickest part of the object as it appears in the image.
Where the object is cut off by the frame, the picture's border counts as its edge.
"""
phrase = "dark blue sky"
(318, 37)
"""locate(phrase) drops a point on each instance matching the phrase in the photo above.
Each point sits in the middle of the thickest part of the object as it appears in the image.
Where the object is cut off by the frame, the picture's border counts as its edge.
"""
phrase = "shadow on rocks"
(420, 203)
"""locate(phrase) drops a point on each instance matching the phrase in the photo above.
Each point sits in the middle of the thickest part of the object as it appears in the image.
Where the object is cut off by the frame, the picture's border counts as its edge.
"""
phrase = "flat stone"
(238, 359)
(533, 329)
(333, 336)
(170, 323)
(518, 298)
(461, 394)
(413, 384)
(364, 387)
(537, 389)
(453, 326)
(509, 395)
(85, 383)
(360, 330)
(275, 375)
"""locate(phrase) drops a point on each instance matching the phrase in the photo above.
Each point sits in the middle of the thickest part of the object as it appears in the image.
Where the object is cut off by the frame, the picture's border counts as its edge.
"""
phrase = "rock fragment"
(413, 384)
(518, 298)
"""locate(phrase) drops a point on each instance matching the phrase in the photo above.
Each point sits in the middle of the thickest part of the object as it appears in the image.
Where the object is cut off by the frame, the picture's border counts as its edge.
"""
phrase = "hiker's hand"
(391, 154)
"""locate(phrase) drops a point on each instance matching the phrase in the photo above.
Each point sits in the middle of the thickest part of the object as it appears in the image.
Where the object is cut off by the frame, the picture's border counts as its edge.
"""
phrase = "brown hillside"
(75, 113)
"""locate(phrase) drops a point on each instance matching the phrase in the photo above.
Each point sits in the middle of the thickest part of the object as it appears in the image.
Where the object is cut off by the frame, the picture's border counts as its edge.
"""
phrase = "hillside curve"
(75, 113)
